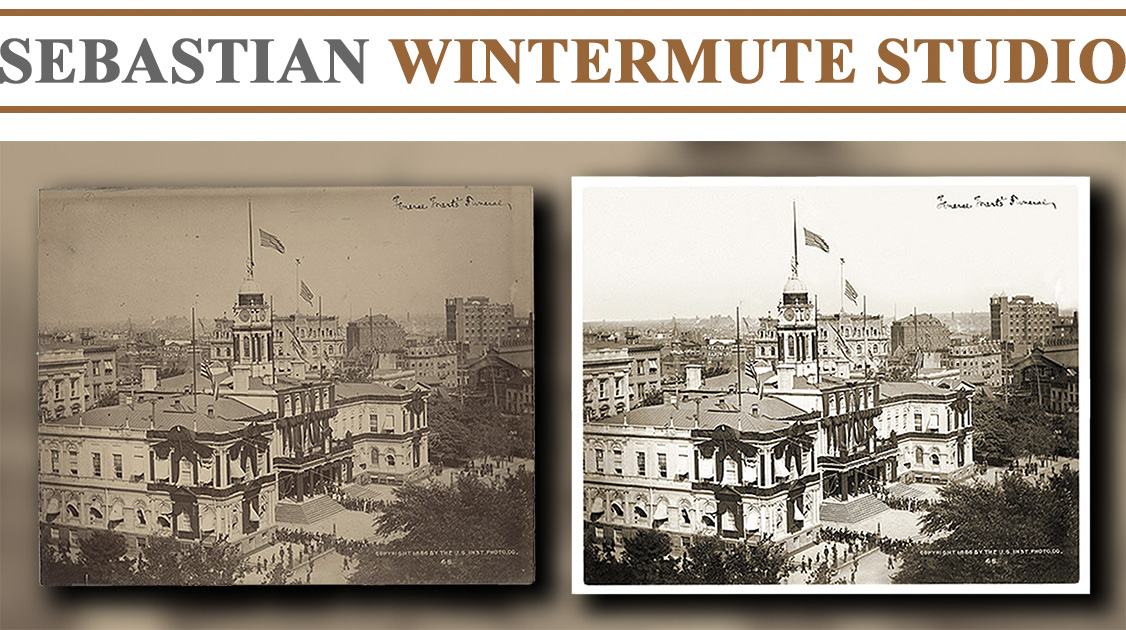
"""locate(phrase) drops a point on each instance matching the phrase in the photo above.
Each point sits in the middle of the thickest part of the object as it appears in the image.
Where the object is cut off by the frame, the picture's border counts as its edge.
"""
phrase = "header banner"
(564, 61)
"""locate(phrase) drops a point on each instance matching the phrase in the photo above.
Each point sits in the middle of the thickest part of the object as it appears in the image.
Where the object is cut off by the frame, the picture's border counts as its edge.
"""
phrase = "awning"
(751, 523)
(933, 424)
(95, 513)
(184, 522)
(253, 513)
(71, 510)
(661, 513)
(798, 516)
(117, 512)
(728, 519)
(236, 468)
(163, 468)
(730, 474)
(207, 522)
(780, 469)
(640, 511)
(682, 467)
(53, 506)
(164, 521)
(598, 506)
(617, 509)
(707, 468)
(206, 471)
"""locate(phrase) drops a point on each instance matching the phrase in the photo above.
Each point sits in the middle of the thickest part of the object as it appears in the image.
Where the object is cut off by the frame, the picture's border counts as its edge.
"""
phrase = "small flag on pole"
(850, 292)
(749, 370)
(205, 371)
(306, 294)
(814, 240)
(269, 240)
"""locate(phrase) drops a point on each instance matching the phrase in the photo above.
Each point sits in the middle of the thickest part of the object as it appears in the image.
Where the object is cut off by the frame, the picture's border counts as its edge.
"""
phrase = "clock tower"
(252, 331)
(797, 329)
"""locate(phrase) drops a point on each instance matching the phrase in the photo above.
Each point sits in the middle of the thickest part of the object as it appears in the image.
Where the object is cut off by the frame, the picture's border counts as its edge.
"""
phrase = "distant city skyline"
(652, 252)
(145, 254)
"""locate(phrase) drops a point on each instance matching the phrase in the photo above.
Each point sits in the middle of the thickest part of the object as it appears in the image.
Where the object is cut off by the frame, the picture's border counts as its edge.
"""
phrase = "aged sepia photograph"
(873, 384)
(286, 386)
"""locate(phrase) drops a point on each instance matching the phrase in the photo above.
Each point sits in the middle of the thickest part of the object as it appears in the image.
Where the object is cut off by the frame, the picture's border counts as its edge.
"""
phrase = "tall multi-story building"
(606, 374)
(477, 321)
(863, 340)
(1021, 320)
(316, 339)
(374, 333)
(922, 332)
(389, 429)
(62, 383)
(978, 361)
(58, 364)
(433, 363)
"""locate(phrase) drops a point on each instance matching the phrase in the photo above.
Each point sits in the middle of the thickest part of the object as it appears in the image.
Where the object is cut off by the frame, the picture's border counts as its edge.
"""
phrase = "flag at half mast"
(306, 294)
(269, 240)
(850, 292)
(815, 240)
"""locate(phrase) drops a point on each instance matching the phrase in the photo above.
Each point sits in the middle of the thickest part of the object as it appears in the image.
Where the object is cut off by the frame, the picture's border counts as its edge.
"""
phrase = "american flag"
(205, 371)
(306, 294)
(814, 240)
(749, 370)
(850, 292)
(269, 240)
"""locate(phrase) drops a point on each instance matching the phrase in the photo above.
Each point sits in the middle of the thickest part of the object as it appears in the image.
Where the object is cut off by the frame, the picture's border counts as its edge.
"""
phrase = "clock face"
(244, 316)
(789, 314)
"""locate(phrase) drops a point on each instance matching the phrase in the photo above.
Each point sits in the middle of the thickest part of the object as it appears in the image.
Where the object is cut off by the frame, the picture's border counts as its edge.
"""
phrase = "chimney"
(241, 374)
(298, 370)
(842, 368)
(786, 374)
(693, 377)
(211, 411)
(148, 378)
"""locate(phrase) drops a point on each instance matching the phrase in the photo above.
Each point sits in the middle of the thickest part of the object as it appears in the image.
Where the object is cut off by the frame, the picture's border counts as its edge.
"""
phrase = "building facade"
(389, 429)
(375, 333)
(606, 390)
(433, 363)
(477, 321)
(741, 474)
(1021, 320)
(919, 332)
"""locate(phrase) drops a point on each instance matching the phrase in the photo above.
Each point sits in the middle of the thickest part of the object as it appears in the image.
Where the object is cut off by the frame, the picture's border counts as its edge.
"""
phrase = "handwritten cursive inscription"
(448, 203)
(1000, 201)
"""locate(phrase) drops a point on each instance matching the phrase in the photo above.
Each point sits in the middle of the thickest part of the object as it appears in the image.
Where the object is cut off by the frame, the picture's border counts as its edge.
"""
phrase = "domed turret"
(794, 285)
(250, 287)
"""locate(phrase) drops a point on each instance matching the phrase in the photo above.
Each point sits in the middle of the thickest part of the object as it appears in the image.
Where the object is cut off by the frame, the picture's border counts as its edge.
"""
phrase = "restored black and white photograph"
(286, 386)
(878, 384)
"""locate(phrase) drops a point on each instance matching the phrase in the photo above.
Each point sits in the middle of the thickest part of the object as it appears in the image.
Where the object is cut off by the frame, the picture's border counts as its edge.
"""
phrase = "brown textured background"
(27, 167)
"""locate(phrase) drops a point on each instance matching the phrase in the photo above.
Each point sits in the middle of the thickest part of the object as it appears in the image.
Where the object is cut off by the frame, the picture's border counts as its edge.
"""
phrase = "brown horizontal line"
(566, 12)
(565, 109)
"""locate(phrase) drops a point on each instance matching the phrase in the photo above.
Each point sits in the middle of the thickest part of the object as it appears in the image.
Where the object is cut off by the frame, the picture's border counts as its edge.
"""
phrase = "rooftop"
(772, 414)
(229, 415)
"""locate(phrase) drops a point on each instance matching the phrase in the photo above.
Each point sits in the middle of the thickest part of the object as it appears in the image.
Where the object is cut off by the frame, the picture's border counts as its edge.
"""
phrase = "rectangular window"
(641, 464)
(73, 462)
(918, 422)
(117, 467)
(55, 461)
(617, 461)
(97, 460)
(662, 465)
(599, 464)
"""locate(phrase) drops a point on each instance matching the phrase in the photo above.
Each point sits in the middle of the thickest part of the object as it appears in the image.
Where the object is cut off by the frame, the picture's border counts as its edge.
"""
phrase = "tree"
(166, 560)
(1014, 532)
(823, 574)
(56, 568)
(647, 559)
(1005, 431)
(714, 561)
(469, 531)
(103, 558)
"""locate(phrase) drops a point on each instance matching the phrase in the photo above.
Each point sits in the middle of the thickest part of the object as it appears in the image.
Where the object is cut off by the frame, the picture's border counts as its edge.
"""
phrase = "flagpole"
(195, 366)
(273, 351)
(250, 235)
(739, 357)
(842, 291)
(816, 332)
(795, 208)
(297, 287)
(864, 334)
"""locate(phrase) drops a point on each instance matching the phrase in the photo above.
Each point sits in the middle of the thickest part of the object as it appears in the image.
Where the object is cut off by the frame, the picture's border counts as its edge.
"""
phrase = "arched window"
(919, 455)
(685, 518)
(375, 456)
(616, 508)
(934, 460)
(391, 461)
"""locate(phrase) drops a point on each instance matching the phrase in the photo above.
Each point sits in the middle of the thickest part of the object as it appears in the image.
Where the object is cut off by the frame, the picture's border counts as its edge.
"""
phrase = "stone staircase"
(308, 512)
(854, 511)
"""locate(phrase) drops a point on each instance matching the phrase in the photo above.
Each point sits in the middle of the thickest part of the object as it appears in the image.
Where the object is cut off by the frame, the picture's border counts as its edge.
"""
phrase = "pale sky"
(654, 251)
(149, 253)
